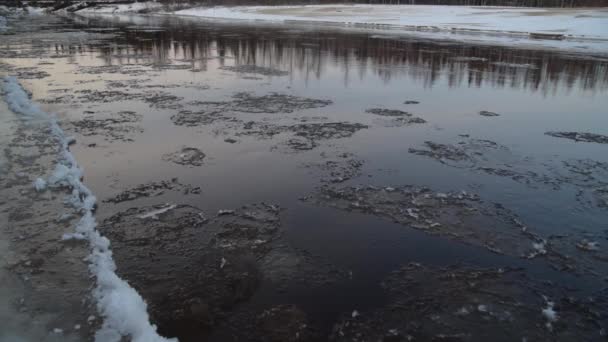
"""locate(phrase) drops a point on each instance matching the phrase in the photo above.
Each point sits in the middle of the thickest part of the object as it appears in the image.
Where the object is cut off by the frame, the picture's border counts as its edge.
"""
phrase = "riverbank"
(578, 30)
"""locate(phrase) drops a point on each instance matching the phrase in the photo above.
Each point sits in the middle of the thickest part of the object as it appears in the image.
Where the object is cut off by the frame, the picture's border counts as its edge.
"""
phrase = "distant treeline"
(517, 3)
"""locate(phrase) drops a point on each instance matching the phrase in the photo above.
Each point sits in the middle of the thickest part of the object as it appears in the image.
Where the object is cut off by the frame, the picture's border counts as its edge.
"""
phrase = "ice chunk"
(154, 214)
(40, 184)
(539, 249)
(73, 236)
(65, 217)
(462, 311)
(64, 175)
(588, 245)
(550, 314)
(411, 213)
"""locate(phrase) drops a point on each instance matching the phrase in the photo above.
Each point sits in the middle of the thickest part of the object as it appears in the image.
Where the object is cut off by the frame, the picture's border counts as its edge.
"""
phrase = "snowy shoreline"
(123, 309)
(576, 30)
(483, 19)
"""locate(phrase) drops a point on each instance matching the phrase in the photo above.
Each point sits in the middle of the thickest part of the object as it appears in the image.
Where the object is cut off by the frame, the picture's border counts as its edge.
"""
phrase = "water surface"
(88, 69)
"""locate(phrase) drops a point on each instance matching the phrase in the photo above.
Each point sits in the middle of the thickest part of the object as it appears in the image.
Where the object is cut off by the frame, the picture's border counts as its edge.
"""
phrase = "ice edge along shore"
(124, 311)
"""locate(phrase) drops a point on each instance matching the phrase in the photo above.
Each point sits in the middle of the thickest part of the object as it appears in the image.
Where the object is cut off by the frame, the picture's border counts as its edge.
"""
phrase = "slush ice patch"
(40, 184)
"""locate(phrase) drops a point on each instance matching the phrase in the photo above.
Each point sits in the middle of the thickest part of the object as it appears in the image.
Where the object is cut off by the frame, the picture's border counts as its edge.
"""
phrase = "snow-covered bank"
(123, 309)
(588, 23)
(579, 30)
(137, 7)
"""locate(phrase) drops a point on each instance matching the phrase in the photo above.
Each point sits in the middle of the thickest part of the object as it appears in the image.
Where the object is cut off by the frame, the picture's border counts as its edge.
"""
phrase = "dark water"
(533, 91)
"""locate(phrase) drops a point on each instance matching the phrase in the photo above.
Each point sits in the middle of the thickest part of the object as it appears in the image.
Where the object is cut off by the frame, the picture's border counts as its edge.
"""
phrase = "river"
(301, 183)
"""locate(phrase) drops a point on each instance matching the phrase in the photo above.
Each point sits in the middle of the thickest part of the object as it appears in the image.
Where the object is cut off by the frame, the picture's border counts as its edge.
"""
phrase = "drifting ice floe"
(550, 314)
(154, 214)
(123, 309)
(40, 184)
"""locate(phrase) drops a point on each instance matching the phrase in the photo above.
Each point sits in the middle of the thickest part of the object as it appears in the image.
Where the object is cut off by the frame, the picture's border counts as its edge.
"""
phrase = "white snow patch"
(64, 175)
(18, 100)
(154, 214)
(40, 184)
(124, 311)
